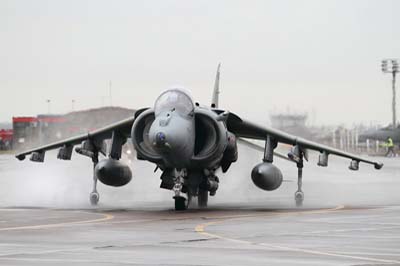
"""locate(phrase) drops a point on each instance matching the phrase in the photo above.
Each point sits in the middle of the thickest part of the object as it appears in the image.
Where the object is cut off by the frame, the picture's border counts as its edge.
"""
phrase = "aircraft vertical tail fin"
(215, 96)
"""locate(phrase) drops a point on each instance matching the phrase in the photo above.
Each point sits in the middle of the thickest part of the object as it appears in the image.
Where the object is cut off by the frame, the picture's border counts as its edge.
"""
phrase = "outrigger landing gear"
(299, 195)
(88, 149)
(94, 195)
(94, 198)
(297, 154)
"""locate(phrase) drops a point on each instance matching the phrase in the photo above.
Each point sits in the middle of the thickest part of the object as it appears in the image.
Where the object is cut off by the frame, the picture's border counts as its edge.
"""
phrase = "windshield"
(174, 100)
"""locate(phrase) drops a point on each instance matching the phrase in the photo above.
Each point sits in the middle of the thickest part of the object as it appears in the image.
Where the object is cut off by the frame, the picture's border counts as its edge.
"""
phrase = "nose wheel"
(181, 203)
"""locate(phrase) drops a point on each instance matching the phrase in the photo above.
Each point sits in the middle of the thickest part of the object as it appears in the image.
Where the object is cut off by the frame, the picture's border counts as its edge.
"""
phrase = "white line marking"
(201, 230)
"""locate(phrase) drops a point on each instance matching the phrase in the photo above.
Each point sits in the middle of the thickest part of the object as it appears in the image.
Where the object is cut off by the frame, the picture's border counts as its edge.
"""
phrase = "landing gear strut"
(88, 149)
(94, 195)
(299, 195)
(202, 198)
(181, 203)
(208, 186)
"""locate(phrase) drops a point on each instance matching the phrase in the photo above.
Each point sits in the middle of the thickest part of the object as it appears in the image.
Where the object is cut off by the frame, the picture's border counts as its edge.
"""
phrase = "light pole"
(392, 66)
(48, 105)
(73, 105)
(110, 92)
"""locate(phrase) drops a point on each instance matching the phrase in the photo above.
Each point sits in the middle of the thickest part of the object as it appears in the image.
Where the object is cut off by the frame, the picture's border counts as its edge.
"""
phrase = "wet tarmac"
(349, 218)
(331, 236)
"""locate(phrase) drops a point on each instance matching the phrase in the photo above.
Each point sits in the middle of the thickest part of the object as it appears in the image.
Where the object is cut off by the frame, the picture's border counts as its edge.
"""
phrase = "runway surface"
(348, 219)
(331, 236)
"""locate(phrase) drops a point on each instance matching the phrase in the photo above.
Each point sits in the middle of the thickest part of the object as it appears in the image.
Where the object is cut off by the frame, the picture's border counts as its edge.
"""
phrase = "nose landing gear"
(188, 185)
(181, 202)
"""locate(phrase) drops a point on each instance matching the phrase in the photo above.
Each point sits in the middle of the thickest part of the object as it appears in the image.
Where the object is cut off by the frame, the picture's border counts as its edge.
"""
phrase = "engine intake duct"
(206, 136)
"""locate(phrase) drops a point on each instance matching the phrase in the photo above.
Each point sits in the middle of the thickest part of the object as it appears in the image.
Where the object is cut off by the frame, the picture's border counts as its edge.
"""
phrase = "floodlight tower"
(392, 66)
(48, 101)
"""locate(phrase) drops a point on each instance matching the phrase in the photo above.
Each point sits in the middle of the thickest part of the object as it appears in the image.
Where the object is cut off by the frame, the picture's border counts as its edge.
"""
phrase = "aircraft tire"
(180, 204)
(299, 198)
(94, 198)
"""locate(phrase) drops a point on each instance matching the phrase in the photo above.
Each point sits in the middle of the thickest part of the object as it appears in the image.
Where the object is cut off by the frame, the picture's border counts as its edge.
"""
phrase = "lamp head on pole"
(384, 65)
(390, 66)
(395, 66)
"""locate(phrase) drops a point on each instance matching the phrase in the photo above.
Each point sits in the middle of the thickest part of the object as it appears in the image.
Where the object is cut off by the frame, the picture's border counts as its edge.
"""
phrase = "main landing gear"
(202, 198)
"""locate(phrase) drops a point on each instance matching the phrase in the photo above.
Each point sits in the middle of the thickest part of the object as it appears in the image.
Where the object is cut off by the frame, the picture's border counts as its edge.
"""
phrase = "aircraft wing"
(123, 128)
(245, 129)
(260, 148)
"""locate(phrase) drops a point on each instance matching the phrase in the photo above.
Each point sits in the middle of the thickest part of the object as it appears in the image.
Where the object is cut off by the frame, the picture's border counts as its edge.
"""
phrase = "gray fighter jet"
(382, 134)
(189, 143)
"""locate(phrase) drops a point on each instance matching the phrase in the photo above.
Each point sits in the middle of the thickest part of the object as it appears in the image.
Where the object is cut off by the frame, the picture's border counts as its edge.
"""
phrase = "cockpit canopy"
(174, 100)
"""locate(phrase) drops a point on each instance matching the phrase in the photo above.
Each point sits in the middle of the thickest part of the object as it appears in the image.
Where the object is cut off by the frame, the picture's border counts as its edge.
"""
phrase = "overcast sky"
(320, 57)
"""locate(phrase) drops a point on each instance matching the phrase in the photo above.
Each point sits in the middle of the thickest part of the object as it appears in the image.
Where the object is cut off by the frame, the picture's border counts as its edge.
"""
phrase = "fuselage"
(178, 134)
(172, 135)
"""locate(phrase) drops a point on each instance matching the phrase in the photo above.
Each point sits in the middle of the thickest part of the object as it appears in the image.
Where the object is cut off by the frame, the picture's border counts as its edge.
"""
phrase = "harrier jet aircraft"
(189, 143)
(382, 134)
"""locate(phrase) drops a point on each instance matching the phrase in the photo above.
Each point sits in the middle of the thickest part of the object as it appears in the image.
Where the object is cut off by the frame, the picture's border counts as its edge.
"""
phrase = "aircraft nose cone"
(174, 143)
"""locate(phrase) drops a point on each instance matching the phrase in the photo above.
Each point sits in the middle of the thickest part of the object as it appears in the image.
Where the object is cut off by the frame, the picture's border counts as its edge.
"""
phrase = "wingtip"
(378, 166)
(20, 157)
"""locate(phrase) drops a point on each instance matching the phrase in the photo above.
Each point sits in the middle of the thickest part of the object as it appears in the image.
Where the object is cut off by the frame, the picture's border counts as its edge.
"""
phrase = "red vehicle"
(25, 131)
(6, 138)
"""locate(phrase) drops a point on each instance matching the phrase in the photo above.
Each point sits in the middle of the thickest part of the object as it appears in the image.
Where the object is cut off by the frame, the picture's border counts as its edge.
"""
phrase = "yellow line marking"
(106, 217)
(201, 229)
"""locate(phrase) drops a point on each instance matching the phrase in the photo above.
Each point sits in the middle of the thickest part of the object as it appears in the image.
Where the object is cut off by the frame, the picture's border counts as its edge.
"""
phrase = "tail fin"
(215, 96)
